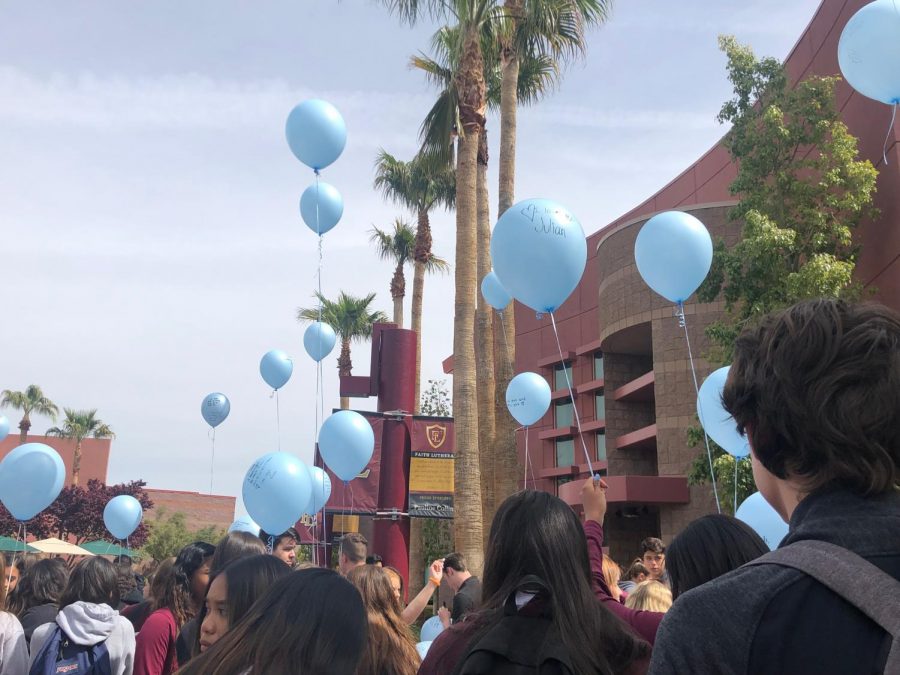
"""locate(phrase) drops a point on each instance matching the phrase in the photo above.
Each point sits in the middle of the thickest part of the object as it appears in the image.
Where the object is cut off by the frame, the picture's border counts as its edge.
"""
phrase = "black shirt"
(467, 598)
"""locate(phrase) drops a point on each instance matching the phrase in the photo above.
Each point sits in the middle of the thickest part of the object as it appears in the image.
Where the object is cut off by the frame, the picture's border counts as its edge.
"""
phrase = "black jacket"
(38, 616)
(467, 599)
(772, 619)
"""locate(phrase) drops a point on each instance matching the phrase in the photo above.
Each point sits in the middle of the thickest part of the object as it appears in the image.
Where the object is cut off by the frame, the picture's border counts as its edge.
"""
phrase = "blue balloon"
(431, 629)
(245, 524)
(673, 252)
(765, 521)
(494, 293)
(528, 398)
(31, 477)
(276, 368)
(321, 490)
(4, 427)
(321, 207)
(276, 491)
(719, 425)
(539, 252)
(316, 133)
(869, 51)
(423, 647)
(346, 441)
(319, 340)
(122, 516)
(215, 409)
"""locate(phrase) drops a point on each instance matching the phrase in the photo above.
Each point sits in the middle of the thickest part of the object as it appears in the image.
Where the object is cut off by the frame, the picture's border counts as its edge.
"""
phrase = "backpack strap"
(871, 590)
(45, 661)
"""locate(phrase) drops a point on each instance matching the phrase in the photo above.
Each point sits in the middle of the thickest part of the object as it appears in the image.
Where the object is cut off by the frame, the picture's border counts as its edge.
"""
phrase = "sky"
(152, 247)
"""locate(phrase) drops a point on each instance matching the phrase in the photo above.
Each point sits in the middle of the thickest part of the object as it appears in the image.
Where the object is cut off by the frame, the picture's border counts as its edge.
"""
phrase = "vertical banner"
(361, 494)
(431, 468)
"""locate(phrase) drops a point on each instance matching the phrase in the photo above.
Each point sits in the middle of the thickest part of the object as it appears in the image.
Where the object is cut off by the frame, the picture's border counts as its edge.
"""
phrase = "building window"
(564, 414)
(598, 365)
(600, 406)
(559, 376)
(562, 480)
(601, 446)
(565, 452)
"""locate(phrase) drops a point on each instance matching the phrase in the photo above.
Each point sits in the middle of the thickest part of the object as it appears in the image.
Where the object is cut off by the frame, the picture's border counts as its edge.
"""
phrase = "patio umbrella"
(54, 545)
(101, 547)
(15, 546)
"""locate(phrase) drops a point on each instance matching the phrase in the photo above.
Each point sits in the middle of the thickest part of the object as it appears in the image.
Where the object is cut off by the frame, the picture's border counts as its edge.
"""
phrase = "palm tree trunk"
(468, 523)
(76, 463)
(484, 343)
(398, 291)
(345, 368)
(24, 426)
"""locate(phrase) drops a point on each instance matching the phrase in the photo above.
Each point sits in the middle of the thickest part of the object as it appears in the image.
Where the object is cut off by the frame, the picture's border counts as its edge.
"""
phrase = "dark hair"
(124, 560)
(126, 581)
(311, 621)
(637, 567)
(159, 581)
(708, 548)
(374, 559)
(43, 583)
(653, 545)
(176, 595)
(246, 580)
(354, 546)
(817, 388)
(93, 580)
(456, 562)
(290, 533)
(234, 546)
(536, 533)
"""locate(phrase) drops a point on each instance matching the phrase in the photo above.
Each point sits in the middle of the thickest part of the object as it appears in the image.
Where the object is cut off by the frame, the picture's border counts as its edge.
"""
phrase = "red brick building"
(201, 510)
(94, 453)
(626, 352)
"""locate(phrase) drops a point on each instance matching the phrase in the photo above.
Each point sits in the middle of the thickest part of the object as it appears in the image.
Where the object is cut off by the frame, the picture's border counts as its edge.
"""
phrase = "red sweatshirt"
(155, 653)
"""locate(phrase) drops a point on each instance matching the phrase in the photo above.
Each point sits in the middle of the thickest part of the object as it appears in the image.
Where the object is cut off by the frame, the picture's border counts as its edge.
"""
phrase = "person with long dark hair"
(13, 648)
(310, 622)
(36, 599)
(87, 624)
(390, 647)
(178, 602)
(537, 601)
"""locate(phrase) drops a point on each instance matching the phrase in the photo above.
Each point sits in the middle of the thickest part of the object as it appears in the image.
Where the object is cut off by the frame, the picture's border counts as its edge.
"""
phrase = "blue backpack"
(61, 656)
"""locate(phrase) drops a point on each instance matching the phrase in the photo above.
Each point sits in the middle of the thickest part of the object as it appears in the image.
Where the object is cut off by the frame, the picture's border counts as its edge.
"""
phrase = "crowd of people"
(816, 390)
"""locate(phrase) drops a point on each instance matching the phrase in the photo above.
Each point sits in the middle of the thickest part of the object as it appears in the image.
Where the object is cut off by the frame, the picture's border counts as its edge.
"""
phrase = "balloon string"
(277, 419)
(736, 460)
(562, 360)
(887, 137)
(525, 477)
(679, 312)
(20, 528)
(212, 462)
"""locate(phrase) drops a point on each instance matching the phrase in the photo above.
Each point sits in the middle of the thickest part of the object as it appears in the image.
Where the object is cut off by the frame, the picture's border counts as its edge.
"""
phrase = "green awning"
(101, 547)
(10, 545)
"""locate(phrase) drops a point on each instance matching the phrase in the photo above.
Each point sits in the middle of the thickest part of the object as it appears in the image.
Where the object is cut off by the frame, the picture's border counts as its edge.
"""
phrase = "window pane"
(565, 452)
(598, 366)
(560, 376)
(600, 406)
(565, 415)
(601, 446)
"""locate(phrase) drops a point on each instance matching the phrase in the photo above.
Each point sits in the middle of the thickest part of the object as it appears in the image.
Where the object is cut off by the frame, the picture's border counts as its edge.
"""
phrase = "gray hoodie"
(87, 624)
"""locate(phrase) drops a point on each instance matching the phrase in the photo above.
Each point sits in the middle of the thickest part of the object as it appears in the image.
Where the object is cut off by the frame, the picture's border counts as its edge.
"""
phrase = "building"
(625, 350)
(94, 453)
(200, 510)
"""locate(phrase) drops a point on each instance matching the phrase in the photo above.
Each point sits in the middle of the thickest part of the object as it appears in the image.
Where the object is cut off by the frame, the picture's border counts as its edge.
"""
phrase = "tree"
(436, 399)
(78, 425)
(170, 533)
(32, 400)
(802, 192)
(419, 185)
(352, 320)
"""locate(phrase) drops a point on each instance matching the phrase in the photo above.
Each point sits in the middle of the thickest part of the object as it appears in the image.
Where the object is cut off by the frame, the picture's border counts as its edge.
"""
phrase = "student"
(537, 601)
(14, 571)
(155, 591)
(417, 605)
(353, 552)
(611, 574)
(466, 589)
(179, 602)
(13, 648)
(129, 593)
(376, 560)
(708, 548)
(36, 600)
(284, 546)
(311, 621)
(651, 596)
(87, 629)
(390, 647)
(816, 390)
(653, 555)
(635, 575)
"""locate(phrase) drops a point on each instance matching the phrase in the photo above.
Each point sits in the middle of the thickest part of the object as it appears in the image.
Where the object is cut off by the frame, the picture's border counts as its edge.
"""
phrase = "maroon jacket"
(644, 623)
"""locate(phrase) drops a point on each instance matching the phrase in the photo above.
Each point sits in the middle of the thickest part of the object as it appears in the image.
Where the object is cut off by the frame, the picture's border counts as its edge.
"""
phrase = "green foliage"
(723, 465)
(81, 424)
(349, 316)
(28, 401)
(170, 533)
(436, 399)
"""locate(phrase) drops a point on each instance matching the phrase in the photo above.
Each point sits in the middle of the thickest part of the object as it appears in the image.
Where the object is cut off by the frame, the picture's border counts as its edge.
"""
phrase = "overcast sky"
(152, 245)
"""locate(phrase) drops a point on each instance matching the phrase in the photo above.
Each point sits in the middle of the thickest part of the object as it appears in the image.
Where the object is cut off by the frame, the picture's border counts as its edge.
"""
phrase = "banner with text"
(431, 468)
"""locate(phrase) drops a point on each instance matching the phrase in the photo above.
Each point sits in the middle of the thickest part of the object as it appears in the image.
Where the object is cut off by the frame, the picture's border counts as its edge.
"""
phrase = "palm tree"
(32, 400)
(351, 319)
(419, 185)
(78, 425)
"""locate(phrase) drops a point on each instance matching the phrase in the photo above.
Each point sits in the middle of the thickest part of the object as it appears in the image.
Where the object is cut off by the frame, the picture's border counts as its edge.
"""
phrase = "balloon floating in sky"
(316, 133)
(276, 368)
(215, 409)
(319, 340)
(321, 207)
(346, 441)
(528, 398)
(276, 491)
(673, 252)
(758, 514)
(31, 478)
(717, 422)
(4, 427)
(869, 51)
(539, 253)
(122, 516)
(493, 292)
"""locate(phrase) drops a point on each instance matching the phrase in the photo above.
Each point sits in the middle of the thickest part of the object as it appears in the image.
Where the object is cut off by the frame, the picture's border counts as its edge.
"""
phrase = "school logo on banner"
(436, 435)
